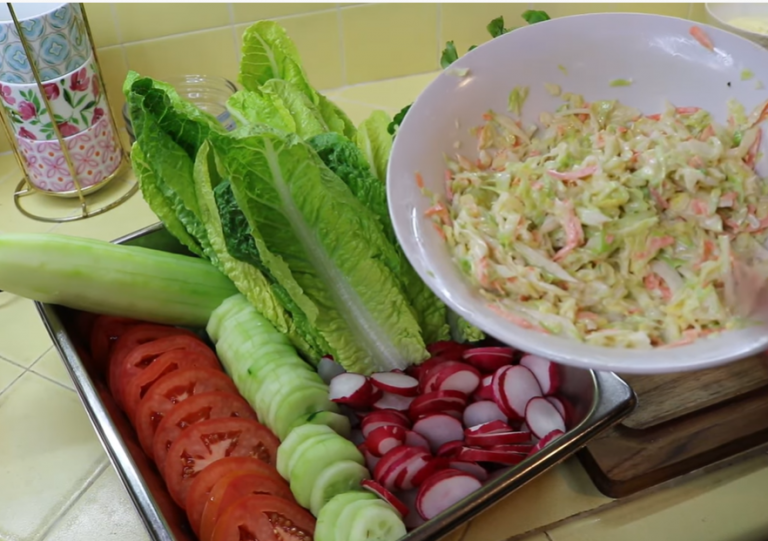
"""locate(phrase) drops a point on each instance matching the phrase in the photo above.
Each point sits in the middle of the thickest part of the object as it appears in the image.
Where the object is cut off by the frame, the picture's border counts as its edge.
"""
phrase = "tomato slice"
(199, 408)
(165, 364)
(264, 518)
(168, 391)
(200, 489)
(128, 366)
(233, 487)
(208, 441)
(105, 332)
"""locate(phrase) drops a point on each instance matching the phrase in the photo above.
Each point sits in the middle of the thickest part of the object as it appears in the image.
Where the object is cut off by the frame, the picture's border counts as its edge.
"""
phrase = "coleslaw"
(609, 226)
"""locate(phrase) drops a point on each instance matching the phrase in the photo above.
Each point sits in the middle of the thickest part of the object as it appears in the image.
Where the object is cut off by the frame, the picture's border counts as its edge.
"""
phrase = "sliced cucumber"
(336, 479)
(339, 423)
(313, 458)
(293, 441)
(325, 529)
(347, 517)
(289, 407)
(226, 309)
(306, 449)
(376, 523)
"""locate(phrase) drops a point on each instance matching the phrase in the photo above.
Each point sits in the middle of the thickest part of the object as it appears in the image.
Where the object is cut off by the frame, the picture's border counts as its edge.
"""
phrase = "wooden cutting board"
(683, 422)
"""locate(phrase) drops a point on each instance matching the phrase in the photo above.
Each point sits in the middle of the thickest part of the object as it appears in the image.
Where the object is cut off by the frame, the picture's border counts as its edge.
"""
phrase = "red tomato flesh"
(265, 518)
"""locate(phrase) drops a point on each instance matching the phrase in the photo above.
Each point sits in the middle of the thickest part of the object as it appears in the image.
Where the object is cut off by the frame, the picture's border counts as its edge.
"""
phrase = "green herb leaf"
(398, 119)
(472, 47)
(449, 55)
(496, 27)
(68, 98)
(533, 16)
(621, 82)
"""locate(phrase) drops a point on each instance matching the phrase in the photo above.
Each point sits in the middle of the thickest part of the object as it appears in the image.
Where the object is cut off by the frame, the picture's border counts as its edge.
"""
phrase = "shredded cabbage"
(609, 226)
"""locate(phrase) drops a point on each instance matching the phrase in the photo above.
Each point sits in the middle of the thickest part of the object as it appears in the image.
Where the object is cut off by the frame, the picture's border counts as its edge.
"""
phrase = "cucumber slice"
(313, 458)
(288, 407)
(304, 448)
(293, 441)
(343, 530)
(376, 523)
(337, 479)
(229, 307)
(325, 529)
(339, 423)
(269, 385)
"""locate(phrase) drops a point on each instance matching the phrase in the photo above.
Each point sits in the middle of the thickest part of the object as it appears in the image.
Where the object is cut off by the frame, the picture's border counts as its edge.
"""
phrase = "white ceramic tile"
(52, 367)
(48, 454)
(85, 521)
(8, 373)
(23, 338)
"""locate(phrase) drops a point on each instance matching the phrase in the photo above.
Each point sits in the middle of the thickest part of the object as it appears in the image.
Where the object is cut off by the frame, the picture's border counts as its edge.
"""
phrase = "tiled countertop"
(56, 483)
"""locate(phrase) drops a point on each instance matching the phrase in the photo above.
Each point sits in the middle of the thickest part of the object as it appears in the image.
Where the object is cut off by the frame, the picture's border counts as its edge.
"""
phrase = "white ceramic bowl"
(721, 15)
(663, 61)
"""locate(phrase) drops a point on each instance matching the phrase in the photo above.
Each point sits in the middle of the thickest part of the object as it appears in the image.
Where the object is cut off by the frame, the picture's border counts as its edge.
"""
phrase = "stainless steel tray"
(598, 400)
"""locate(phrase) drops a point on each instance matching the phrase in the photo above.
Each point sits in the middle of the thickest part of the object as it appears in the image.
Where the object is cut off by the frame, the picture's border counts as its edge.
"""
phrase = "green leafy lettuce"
(374, 139)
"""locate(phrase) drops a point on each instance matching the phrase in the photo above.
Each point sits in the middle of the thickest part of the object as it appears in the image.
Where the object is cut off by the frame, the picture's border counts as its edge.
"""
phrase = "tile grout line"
(340, 21)
(439, 31)
(24, 369)
(366, 104)
(386, 80)
(231, 9)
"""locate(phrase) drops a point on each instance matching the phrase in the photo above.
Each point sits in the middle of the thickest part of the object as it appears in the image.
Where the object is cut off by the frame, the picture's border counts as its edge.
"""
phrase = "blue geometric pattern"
(54, 50)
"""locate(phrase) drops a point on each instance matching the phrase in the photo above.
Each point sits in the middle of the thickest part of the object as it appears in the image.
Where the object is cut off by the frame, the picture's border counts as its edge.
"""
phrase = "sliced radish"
(352, 389)
(413, 473)
(545, 372)
(448, 350)
(524, 448)
(485, 390)
(328, 369)
(489, 359)
(370, 459)
(450, 449)
(439, 428)
(483, 412)
(414, 439)
(453, 376)
(543, 418)
(487, 428)
(413, 519)
(390, 401)
(392, 458)
(396, 383)
(421, 372)
(444, 489)
(497, 390)
(472, 468)
(559, 406)
(385, 438)
(386, 495)
(507, 458)
(497, 438)
(413, 459)
(374, 420)
(437, 402)
(518, 386)
(546, 440)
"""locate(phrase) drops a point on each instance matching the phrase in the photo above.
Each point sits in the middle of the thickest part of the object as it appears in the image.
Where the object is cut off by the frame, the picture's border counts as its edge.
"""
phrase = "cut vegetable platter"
(592, 402)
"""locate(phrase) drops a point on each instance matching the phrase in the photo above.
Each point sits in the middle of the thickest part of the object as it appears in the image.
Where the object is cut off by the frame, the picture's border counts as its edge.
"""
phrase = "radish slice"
(396, 383)
(390, 401)
(487, 428)
(437, 402)
(542, 417)
(485, 390)
(421, 372)
(390, 459)
(328, 369)
(352, 389)
(450, 449)
(489, 359)
(384, 439)
(482, 412)
(412, 459)
(453, 376)
(370, 459)
(545, 372)
(442, 490)
(413, 473)
(559, 406)
(448, 350)
(374, 420)
(507, 458)
(497, 438)
(386, 495)
(439, 428)
(472, 468)
(414, 439)
(497, 390)
(518, 387)
(524, 448)
(546, 440)
(413, 519)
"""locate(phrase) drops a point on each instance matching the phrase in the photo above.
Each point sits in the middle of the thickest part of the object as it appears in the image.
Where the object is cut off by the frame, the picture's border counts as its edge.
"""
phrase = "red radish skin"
(483, 412)
(559, 406)
(518, 387)
(439, 429)
(437, 402)
(374, 420)
(546, 440)
(442, 490)
(390, 401)
(489, 359)
(497, 390)
(352, 389)
(487, 428)
(396, 383)
(370, 459)
(448, 350)
(413, 459)
(472, 468)
(453, 376)
(485, 390)
(543, 418)
(450, 449)
(524, 448)
(384, 439)
(414, 471)
(386, 495)
(414, 439)
(391, 458)
(506, 458)
(545, 371)
(421, 372)
(497, 438)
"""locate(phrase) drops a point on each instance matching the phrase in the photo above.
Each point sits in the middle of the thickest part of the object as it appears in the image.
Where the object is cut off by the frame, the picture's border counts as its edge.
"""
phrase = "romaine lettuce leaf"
(249, 107)
(305, 218)
(374, 139)
(306, 115)
(337, 120)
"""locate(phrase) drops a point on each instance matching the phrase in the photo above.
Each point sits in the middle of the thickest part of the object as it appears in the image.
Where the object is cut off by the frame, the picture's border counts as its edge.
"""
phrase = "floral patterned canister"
(77, 102)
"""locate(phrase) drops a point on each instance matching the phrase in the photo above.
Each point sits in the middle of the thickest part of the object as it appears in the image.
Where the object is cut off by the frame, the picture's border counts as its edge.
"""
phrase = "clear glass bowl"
(208, 92)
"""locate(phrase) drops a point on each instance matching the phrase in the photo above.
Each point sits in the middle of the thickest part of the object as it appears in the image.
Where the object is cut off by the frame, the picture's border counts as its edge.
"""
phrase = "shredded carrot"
(702, 37)
(657, 116)
(439, 231)
(517, 320)
(754, 148)
(659, 200)
(419, 181)
(487, 116)
(687, 110)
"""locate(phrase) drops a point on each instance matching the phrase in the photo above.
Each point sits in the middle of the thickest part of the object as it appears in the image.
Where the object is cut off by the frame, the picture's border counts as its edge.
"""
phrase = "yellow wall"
(340, 44)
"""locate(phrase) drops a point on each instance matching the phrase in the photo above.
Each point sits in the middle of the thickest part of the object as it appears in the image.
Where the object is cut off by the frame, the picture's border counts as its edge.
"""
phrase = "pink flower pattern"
(7, 94)
(68, 129)
(95, 88)
(27, 110)
(24, 132)
(52, 91)
(98, 114)
(55, 166)
(79, 80)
